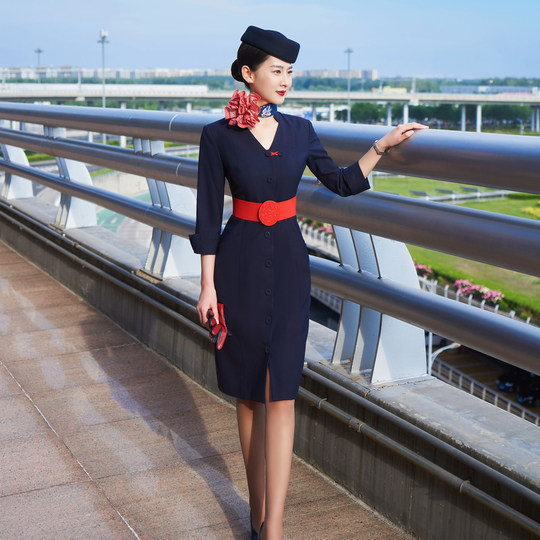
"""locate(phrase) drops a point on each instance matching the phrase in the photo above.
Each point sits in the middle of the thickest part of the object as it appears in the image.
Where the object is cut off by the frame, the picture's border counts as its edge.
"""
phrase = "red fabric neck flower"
(243, 110)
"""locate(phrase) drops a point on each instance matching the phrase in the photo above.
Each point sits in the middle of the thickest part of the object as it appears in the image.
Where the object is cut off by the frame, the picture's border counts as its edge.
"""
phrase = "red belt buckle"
(268, 213)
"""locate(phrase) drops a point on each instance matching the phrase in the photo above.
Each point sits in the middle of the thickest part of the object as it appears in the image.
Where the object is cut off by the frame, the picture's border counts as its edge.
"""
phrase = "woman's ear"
(247, 74)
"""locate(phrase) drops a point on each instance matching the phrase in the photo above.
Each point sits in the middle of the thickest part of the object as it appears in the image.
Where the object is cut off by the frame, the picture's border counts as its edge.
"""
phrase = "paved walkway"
(101, 438)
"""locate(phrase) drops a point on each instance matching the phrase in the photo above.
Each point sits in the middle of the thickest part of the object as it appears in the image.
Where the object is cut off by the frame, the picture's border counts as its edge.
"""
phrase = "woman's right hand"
(207, 300)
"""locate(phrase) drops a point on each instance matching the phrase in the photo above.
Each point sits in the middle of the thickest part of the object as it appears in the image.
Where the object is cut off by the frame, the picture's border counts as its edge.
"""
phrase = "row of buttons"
(268, 264)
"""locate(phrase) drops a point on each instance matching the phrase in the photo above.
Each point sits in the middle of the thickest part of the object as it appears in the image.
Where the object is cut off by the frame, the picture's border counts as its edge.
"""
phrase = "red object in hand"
(218, 331)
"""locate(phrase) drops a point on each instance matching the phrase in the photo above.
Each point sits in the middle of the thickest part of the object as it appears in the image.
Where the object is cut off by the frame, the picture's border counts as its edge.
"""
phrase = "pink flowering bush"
(423, 271)
(480, 292)
(326, 229)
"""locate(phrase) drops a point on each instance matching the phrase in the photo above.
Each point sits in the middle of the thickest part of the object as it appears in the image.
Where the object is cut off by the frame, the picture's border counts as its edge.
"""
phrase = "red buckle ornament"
(268, 213)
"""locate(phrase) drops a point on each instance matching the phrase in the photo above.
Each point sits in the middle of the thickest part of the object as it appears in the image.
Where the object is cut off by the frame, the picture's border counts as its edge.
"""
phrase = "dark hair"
(250, 56)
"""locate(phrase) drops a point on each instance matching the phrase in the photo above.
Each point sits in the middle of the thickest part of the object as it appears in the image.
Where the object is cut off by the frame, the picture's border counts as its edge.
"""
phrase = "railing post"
(15, 187)
(168, 255)
(72, 212)
(378, 346)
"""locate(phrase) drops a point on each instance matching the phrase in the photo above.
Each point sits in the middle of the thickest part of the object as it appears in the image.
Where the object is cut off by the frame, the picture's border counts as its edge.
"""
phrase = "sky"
(422, 38)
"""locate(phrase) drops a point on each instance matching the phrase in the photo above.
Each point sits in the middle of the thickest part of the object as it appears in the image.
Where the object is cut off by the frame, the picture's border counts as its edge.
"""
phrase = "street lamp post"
(103, 39)
(348, 52)
(38, 51)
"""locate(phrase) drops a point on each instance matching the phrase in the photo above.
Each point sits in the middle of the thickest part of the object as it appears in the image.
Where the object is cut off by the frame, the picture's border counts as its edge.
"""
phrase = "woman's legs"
(279, 446)
(266, 436)
(251, 428)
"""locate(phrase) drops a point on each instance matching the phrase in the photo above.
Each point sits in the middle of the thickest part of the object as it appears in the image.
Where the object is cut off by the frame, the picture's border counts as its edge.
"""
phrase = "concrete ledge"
(397, 488)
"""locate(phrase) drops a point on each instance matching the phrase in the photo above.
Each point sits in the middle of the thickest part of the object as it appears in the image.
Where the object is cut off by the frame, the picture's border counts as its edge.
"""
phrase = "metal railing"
(383, 310)
(455, 377)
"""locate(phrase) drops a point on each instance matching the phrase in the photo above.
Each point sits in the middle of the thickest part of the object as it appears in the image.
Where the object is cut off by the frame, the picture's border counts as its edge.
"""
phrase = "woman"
(258, 268)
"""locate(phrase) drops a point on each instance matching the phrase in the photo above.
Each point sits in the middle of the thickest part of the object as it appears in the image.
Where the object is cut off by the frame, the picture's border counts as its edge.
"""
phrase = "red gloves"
(218, 332)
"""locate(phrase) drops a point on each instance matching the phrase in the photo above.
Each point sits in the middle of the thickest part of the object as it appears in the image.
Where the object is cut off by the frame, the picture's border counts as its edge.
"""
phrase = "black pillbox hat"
(272, 42)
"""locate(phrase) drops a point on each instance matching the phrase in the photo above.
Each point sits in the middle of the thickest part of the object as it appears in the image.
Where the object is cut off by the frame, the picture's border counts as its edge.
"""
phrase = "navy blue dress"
(262, 274)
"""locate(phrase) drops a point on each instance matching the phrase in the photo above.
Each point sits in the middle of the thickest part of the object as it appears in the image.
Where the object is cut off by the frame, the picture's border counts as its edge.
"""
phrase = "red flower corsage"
(243, 110)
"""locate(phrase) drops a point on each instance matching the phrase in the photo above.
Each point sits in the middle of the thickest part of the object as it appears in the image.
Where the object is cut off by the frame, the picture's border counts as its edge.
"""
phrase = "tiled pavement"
(101, 438)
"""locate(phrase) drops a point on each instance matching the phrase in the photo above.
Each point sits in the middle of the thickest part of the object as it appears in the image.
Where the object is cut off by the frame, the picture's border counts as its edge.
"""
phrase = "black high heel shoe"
(254, 533)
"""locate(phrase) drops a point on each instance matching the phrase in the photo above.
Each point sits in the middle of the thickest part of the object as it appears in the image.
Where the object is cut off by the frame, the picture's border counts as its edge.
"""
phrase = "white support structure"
(533, 120)
(463, 117)
(368, 341)
(405, 113)
(478, 118)
(72, 212)
(332, 112)
(15, 187)
(388, 114)
(123, 138)
(169, 255)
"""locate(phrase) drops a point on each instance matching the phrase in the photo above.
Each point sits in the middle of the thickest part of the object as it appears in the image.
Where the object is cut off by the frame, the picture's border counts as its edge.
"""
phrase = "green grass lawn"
(508, 206)
(403, 185)
(522, 292)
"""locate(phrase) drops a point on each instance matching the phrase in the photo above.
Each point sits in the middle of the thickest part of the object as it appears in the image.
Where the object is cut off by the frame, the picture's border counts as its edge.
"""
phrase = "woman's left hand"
(399, 134)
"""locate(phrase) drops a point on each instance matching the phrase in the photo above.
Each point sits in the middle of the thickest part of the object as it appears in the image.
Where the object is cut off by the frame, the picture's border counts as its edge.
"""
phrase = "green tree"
(366, 113)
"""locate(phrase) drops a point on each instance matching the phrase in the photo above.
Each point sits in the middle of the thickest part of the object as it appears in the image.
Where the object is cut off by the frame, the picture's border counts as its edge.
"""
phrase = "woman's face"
(272, 80)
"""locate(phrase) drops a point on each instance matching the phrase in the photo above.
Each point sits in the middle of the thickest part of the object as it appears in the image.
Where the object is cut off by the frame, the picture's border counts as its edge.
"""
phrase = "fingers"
(207, 301)
(410, 127)
(203, 310)
(215, 313)
(202, 316)
(416, 125)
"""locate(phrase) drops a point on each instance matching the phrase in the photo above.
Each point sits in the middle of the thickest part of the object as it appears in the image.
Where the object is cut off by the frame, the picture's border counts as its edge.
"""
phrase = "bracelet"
(376, 148)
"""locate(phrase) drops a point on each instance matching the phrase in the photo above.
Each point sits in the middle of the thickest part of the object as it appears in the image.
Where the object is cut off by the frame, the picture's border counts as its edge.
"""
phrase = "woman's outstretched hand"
(399, 134)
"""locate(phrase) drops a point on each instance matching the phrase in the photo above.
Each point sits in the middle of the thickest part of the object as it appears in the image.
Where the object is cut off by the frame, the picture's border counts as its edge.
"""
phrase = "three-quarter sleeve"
(343, 181)
(210, 193)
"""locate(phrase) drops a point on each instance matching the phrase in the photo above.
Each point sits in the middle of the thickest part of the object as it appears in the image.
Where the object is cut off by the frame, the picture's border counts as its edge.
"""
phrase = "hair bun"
(235, 71)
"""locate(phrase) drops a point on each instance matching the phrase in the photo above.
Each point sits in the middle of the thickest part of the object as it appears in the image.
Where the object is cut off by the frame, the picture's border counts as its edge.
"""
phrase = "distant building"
(70, 72)
(488, 89)
(366, 74)
(393, 90)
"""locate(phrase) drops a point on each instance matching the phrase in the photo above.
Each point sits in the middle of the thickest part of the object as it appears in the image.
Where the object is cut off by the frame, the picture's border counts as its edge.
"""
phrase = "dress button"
(268, 292)
(269, 179)
(267, 349)
(268, 320)
(268, 263)
(267, 234)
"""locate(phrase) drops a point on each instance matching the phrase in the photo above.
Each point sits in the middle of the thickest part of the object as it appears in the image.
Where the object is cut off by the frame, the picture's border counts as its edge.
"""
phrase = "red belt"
(268, 212)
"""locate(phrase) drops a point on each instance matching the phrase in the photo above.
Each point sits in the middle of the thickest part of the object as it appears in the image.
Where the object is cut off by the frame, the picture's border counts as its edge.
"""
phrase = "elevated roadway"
(90, 93)
(59, 92)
